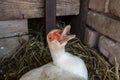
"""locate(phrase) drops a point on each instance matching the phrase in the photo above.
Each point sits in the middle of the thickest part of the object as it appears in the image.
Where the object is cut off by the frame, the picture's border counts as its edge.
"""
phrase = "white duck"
(65, 66)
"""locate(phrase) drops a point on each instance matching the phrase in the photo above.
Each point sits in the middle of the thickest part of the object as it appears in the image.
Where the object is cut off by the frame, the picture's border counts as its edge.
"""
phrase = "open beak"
(66, 36)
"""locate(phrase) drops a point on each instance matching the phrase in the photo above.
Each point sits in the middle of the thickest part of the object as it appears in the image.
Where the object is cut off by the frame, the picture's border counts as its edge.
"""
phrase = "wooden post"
(50, 14)
(79, 22)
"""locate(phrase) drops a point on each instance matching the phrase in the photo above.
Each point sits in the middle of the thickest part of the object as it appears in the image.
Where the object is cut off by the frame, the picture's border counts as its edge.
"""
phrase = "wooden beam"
(22, 9)
(50, 15)
(13, 28)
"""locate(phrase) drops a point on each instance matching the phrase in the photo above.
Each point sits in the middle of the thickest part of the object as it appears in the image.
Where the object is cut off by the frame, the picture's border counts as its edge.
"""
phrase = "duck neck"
(57, 52)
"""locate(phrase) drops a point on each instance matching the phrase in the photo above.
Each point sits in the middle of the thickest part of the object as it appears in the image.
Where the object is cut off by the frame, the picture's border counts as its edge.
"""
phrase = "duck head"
(57, 38)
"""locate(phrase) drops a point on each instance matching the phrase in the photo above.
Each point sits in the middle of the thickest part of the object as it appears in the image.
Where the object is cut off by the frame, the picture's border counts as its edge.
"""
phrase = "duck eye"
(50, 38)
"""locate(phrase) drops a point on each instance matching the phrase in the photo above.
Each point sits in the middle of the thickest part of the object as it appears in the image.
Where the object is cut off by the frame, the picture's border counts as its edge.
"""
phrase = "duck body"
(72, 64)
(65, 66)
(50, 72)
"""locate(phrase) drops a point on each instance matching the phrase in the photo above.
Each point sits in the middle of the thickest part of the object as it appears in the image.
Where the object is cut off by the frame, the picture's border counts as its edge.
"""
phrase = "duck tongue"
(66, 36)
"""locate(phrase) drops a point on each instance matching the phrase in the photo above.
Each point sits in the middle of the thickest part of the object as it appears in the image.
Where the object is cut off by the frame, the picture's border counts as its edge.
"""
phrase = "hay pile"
(33, 53)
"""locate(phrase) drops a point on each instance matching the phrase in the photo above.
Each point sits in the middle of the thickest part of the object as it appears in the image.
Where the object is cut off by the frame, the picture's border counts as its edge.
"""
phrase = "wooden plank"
(9, 45)
(20, 9)
(50, 14)
(13, 28)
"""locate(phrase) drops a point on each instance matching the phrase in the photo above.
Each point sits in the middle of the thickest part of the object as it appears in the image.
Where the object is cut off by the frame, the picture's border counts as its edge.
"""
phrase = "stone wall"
(103, 28)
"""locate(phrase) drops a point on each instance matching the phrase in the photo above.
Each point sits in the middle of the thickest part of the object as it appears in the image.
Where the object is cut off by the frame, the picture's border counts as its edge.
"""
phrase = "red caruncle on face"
(55, 35)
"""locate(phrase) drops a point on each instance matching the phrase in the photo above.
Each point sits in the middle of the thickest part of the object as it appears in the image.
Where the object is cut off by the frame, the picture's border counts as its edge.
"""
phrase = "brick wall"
(103, 28)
